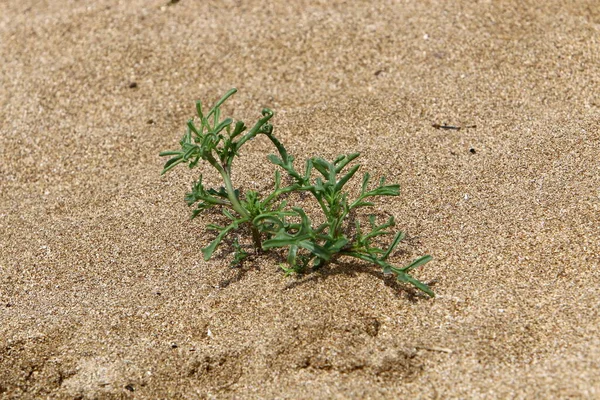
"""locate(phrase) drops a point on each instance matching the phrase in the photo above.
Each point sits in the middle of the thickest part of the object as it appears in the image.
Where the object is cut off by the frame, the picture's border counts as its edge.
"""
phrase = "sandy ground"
(103, 290)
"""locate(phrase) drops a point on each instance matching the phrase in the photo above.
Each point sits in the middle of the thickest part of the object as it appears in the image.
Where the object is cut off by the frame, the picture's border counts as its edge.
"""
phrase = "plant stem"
(235, 203)
(228, 187)
(256, 238)
(226, 174)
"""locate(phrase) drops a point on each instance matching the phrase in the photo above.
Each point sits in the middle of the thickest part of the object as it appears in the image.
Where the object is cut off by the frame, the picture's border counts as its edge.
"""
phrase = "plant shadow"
(354, 268)
(246, 265)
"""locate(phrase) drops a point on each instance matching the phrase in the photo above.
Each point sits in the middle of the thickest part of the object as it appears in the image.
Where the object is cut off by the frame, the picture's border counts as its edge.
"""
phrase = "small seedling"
(272, 222)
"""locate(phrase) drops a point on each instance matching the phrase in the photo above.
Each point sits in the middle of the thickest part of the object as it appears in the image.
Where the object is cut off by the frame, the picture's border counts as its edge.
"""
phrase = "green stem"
(229, 188)
(231, 194)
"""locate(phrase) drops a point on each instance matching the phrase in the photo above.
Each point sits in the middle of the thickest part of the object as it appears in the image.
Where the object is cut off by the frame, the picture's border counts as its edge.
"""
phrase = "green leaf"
(362, 204)
(238, 253)
(365, 182)
(406, 278)
(389, 190)
(222, 125)
(417, 263)
(308, 170)
(342, 161)
(228, 214)
(199, 109)
(229, 93)
(186, 138)
(346, 178)
(172, 163)
(239, 128)
(325, 168)
(214, 227)
(314, 248)
(193, 128)
(399, 236)
(336, 246)
(217, 116)
(275, 160)
(277, 179)
(190, 151)
(209, 250)
(291, 258)
(170, 153)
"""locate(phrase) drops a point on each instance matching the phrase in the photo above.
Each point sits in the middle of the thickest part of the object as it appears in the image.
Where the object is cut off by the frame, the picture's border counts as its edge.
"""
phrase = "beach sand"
(103, 289)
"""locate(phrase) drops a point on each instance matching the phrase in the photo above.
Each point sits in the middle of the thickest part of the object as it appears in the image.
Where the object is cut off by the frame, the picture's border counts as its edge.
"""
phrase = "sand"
(103, 289)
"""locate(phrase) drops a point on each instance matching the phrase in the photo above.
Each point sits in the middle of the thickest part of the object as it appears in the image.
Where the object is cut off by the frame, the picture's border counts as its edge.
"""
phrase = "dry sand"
(103, 290)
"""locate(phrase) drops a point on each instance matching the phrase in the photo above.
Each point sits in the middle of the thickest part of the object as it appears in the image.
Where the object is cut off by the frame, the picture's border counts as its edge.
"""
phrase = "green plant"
(272, 223)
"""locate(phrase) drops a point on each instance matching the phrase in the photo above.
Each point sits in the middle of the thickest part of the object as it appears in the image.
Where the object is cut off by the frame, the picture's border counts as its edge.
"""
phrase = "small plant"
(272, 222)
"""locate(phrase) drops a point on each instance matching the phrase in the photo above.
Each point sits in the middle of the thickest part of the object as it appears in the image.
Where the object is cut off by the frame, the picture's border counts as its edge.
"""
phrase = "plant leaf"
(209, 250)
(342, 161)
(314, 248)
(291, 258)
(346, 177)
(169, 153)
(365, 182)
(192, 127)
(172, 163)
(229, 93)
(417, 263)
(222, 125)
(399, 236)
(199, 109)
(406, 278)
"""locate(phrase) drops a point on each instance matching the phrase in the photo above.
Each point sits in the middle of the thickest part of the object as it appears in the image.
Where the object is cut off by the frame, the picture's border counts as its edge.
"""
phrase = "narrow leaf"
(169, 153)
(221, 101)
(239, 128)
(222, 125)
(321, 166)
(403, 277)
(189, 152)
(389, 190)
(172, 163)
(346, 177)
(275, 160)
(399, 236)
(209, 250)
(365, 182)
(308, 170)
(417, 263)
(362, 204)
(339, 165)
(291, 258)
(199, 109)
(314, 248)
(336, 246)
(192, 127)
(277, 179)
(228, 214)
